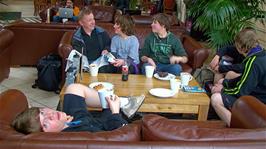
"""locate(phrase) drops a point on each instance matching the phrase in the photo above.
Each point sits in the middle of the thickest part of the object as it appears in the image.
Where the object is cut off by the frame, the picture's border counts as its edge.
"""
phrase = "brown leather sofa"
(35, 40)
(6, 38)
(152, 131)
(197, 54)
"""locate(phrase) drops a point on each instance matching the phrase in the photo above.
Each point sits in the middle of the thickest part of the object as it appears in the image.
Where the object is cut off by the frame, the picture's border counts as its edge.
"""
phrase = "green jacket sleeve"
(178, 47)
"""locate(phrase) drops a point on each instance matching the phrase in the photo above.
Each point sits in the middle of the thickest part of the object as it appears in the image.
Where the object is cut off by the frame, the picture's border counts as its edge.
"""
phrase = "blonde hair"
(246, 39)
(85, 11)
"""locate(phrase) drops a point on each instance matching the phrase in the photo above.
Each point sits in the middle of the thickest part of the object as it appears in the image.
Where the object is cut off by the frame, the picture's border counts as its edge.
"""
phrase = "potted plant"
(223, 19)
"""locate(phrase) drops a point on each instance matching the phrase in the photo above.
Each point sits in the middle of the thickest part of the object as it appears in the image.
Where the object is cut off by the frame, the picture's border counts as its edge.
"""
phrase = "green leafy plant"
(223, 19)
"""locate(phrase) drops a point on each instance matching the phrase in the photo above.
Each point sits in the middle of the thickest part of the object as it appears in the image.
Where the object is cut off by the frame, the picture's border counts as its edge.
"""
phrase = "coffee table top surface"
(139, 84)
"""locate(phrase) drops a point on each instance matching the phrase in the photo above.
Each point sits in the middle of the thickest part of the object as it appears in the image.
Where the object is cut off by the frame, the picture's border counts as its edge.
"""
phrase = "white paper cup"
(149, 71)
(103, 93)
(185, 78)
(94, 70)
(175, 85)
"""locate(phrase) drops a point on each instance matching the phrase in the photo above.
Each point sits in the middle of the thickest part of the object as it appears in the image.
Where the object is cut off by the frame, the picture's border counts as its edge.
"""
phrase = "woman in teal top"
(124, 45)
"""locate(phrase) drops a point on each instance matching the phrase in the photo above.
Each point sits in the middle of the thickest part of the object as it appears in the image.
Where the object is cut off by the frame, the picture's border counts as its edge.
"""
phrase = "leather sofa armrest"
(248, 112)
(197, 54)
(12, 102)
(64, 49)
(6, 38)
(65, 46)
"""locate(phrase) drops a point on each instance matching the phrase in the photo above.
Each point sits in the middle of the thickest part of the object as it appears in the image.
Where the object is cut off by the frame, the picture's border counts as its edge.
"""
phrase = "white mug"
(175, 85)
(185, 78)
(149, 70)
(103, 93)
(94, 70)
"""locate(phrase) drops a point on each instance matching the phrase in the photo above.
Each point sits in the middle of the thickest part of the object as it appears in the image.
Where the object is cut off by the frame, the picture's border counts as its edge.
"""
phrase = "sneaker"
(133, 105)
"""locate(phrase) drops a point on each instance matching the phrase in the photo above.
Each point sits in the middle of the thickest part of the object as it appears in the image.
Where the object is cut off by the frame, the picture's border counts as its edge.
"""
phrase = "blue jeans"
(59, 19)
(174, 69)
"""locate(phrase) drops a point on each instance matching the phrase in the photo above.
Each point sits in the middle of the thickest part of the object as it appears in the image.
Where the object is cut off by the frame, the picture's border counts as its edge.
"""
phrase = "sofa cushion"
(103, 13)
(157, 128)
(147, 20)
(127, 133)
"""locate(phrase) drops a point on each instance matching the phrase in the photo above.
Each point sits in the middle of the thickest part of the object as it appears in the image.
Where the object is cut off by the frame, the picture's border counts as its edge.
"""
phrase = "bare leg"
(217, 104)
(90, 95)
(217, 77)
(231, 75)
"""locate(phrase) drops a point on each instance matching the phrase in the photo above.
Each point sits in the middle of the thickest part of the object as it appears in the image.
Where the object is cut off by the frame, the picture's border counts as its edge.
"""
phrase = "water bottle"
(125, 72)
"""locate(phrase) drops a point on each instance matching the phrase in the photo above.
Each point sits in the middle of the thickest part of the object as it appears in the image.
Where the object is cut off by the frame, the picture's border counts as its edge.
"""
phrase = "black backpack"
(49, 73)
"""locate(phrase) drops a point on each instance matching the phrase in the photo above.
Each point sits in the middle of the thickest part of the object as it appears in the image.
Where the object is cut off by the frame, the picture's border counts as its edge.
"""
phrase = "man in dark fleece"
(94, 40)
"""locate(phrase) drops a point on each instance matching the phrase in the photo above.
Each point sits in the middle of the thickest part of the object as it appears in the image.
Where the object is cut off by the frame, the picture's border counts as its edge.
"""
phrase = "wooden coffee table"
(182, 102)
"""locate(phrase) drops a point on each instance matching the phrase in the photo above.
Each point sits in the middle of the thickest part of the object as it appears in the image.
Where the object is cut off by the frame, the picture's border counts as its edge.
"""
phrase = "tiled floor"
(24, 6)
(22, 78)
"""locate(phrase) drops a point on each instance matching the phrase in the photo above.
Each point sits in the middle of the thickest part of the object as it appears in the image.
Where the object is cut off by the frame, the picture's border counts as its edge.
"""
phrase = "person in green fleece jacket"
(251, 82)
(162, 49)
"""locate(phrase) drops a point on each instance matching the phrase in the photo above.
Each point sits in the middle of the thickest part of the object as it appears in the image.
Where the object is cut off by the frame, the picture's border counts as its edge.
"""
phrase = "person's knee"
(177, 69)
(74, 88)
(231, 75)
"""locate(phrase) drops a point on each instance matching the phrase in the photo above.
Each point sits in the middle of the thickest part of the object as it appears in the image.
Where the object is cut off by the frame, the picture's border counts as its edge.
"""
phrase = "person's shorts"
(228, 100)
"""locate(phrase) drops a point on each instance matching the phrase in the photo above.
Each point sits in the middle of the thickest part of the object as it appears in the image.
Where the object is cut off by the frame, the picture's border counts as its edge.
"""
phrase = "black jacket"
(253, 79)
(92, 45)
(232, 52)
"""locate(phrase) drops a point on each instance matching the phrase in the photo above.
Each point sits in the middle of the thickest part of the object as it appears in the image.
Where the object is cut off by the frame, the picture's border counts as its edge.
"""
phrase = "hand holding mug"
(114, 103)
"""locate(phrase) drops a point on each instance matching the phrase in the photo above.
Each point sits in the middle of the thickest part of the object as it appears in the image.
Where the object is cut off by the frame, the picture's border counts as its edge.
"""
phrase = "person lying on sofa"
(162, 49)
(75, 116)
(69, 4)
(125, 45)
(251, 82)
(94, 40)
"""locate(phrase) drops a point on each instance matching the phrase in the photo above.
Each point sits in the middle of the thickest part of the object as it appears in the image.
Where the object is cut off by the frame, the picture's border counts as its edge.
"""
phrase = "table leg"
(203, 112)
